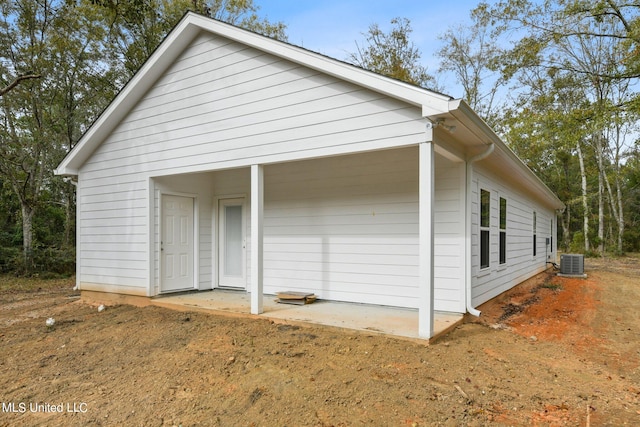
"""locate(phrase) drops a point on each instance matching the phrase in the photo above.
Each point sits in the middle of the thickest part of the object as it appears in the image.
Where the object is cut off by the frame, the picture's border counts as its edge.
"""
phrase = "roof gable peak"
(187, 30)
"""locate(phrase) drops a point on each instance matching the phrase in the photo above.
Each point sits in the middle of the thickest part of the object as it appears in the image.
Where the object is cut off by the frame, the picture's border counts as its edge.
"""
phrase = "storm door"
(231, 243)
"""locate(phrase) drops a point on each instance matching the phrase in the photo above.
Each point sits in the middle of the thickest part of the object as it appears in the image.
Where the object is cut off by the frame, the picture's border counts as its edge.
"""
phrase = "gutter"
(469, 169)
(72, 179)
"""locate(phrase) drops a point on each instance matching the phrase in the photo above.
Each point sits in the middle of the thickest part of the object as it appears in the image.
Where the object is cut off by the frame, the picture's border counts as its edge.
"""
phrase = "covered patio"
(401, 322)
(355, 228)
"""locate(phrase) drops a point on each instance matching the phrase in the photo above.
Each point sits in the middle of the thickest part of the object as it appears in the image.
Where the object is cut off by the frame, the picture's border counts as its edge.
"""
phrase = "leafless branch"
(17, 81)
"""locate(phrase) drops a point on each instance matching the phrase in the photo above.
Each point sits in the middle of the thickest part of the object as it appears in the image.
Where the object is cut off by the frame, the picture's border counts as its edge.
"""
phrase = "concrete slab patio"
(395, 321)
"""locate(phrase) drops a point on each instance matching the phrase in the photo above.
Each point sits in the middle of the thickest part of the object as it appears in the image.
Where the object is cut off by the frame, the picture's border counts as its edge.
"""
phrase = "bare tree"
(472, 55)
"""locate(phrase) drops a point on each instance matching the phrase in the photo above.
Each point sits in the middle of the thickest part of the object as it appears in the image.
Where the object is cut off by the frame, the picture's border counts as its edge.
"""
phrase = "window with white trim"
(485, 222)
(503, 230)
(534, 234)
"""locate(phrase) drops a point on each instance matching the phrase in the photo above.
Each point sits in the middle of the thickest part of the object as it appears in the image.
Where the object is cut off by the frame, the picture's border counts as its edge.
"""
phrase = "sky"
(332, 27)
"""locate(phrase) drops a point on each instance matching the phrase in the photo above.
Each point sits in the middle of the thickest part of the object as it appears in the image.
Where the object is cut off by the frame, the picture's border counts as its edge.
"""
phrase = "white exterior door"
(231, 243)
(176, 245)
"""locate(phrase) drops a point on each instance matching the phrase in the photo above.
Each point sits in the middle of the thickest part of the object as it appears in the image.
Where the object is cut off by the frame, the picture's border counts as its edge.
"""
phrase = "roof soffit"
(476, 136)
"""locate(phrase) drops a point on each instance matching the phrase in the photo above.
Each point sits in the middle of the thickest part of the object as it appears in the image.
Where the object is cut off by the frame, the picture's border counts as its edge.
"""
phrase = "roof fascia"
(431, 102)
(465, 115)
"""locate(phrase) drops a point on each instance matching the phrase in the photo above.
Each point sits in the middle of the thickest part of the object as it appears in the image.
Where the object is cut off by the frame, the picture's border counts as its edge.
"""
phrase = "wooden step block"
(297, 298)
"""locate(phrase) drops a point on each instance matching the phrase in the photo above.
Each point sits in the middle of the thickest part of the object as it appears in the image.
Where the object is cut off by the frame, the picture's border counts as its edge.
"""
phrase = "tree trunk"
(616, 204)
(600, 211)
(617, 210)
(585, 201)
(601, 177)
(566, 233)
(69, 218)
(27, 236)
(66, 242)
(621, 218)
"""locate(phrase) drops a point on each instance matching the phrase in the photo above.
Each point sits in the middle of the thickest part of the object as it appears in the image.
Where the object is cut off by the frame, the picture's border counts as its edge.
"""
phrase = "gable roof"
(186, 31)
(434, 105)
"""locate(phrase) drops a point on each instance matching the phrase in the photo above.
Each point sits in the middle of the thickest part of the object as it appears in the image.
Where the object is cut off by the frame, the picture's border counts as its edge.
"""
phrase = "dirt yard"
(554, 352)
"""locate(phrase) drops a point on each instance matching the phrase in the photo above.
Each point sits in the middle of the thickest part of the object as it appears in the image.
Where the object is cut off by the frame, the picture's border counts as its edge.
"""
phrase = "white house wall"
(113, 235)
(200, 187)
(221, 105)
(346, 228)
(520, 263)
(449, 230)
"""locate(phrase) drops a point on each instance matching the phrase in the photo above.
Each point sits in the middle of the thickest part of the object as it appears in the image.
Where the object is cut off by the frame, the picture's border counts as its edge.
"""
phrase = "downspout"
(470, 309)
(74, 181)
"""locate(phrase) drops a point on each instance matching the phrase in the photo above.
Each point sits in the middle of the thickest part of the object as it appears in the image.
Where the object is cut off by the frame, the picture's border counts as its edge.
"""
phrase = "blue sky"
(332, 27)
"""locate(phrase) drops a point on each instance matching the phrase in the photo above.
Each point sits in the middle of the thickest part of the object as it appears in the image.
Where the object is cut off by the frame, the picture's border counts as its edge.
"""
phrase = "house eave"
(65, 172)
(503, 155)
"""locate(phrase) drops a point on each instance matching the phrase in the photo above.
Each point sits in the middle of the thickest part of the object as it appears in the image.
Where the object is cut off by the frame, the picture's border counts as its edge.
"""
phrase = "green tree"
(545, 129)
(137, 27)
(393, 54)
(26, 123)
(592, 45)
(631, 183)
(40, 118)
(61, 63)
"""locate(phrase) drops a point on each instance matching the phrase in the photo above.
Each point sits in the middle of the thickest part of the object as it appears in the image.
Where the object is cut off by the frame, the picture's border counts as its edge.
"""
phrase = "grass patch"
(552, 286)
(9, 284)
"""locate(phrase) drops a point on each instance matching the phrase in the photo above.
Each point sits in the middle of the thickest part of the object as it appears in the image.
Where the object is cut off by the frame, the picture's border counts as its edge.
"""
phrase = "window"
(503, 230)
(534, 233)
(485, 222)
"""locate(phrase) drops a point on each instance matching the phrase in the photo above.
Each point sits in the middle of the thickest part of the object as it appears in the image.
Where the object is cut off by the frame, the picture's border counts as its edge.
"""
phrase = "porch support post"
(257, 213)
(426, 205)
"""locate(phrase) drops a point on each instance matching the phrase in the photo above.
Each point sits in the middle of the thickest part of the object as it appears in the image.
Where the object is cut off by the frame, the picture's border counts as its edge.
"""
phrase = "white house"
(231, 160)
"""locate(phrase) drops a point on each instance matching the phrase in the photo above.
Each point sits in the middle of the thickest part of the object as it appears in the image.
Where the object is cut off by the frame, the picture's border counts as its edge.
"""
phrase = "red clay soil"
(579, 314)
(558, 309)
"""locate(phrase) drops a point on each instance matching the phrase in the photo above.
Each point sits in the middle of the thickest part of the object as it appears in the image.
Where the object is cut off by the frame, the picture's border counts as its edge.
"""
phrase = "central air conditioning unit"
(572, 264)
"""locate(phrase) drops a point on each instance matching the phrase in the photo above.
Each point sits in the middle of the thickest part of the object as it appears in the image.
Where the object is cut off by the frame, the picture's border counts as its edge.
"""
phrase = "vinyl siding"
(220, 105)
(520, 264)
(218, 108)
(112, 235)
(345, 228)
(449, 229)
